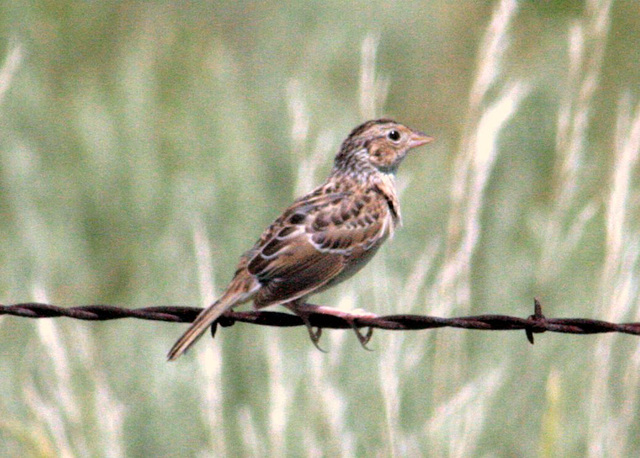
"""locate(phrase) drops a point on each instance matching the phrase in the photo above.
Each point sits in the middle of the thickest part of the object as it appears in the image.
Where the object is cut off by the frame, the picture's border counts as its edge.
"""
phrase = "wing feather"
(316, 241)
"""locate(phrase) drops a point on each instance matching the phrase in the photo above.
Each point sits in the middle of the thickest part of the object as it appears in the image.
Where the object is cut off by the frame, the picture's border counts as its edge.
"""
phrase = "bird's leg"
(363, 339)
(295, 307)
(303, 310)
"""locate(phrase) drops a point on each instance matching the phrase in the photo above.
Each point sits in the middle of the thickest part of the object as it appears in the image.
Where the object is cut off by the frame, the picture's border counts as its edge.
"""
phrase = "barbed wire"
(534, 324)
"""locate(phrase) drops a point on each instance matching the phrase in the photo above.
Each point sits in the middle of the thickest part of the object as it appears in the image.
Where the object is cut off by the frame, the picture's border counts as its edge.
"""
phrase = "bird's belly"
(352, 267)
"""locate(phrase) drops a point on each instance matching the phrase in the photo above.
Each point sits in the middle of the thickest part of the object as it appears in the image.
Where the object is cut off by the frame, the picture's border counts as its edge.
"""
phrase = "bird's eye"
(394, 135)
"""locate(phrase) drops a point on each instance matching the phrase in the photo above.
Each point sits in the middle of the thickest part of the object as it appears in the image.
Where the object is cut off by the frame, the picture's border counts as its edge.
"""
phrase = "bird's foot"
(362, 338)
(304, 310)
(314, 333)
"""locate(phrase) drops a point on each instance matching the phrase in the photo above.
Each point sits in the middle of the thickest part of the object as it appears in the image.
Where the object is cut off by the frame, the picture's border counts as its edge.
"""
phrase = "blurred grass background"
(145, 145)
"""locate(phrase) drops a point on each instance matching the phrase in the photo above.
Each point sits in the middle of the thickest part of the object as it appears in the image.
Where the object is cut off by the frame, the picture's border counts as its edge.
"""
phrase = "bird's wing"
(314, 241)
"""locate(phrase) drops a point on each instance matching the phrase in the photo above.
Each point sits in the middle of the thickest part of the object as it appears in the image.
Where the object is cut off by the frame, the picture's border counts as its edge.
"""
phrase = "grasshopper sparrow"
(324, 237)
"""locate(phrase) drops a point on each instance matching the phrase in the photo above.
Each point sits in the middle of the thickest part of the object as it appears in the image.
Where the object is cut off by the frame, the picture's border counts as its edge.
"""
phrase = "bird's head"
(380, 145)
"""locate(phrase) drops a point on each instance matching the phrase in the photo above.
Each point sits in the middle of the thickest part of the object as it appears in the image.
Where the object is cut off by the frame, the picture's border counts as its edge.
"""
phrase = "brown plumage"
(325, 236)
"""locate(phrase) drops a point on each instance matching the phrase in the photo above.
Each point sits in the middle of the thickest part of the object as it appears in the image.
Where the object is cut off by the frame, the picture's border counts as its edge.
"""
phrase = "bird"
(325, 236)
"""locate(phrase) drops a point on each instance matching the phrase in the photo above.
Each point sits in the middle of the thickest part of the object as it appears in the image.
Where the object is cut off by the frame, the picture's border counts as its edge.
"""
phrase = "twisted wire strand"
(534, 324)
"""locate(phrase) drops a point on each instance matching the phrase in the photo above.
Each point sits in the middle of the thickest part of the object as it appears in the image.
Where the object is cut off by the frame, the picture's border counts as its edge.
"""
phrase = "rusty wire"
(534, 324)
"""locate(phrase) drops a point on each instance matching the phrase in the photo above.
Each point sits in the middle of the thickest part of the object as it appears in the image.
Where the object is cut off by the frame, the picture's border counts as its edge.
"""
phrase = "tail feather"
(201, 323)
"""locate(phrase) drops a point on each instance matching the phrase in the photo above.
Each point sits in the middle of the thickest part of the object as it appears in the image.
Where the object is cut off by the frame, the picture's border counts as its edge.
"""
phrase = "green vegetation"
(145, 145)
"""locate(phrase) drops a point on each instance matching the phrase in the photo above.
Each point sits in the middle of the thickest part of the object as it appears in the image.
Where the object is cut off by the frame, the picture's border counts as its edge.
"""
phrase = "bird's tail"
(204, 320)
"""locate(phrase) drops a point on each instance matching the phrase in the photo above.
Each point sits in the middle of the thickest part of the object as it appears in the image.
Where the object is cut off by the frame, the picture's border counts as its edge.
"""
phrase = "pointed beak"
(419, 139)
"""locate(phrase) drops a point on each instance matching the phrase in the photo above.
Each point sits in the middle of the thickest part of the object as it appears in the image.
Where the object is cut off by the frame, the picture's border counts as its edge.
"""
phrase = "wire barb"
(534, 324)
(539, 321)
